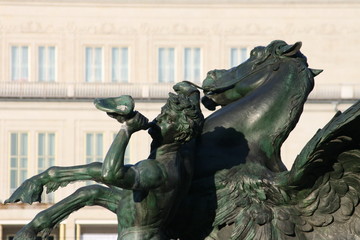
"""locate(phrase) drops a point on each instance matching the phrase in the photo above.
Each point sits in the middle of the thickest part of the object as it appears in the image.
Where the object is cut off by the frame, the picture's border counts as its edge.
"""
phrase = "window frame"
(95, 157)
(18, 69)
(18, 158)
(47, 68)
(240, 56)
(167, 68)
(48, 198)
(92, 68)
(127, 65)
(193, 69)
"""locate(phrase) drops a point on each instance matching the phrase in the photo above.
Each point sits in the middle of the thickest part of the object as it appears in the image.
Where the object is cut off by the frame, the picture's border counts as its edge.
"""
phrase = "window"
(93, 64)
(46, 64)
(166, 65)
(94, 147)
(238, 56)
(119, 64)
(18, 159)
(46, 157)
(19, 63)
(192, 64)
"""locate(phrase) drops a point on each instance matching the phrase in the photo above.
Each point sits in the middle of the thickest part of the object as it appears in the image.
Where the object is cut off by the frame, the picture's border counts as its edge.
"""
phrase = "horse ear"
(290, 50)
(315, 72)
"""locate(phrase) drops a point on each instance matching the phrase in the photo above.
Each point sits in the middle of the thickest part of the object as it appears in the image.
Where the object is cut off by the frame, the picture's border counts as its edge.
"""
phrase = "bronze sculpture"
(240, 188)
(157, 184)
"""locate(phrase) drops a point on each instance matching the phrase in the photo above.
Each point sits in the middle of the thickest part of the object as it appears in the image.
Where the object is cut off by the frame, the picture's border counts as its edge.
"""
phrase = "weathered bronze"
(231, 182)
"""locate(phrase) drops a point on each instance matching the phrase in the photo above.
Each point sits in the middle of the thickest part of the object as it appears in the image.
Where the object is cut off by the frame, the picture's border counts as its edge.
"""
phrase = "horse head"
(261, 102)
(222, 87)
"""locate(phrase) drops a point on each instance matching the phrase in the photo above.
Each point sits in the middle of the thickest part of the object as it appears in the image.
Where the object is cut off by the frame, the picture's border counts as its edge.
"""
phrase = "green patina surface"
(221, 177)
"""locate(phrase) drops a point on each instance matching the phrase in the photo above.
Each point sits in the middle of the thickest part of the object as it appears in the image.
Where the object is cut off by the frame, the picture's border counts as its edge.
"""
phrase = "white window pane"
(124, 65)
(99, 144)
(166, 65)
(41, 144)
(19, 63)
(192, 64)
(13, 162)
(171, 65)
(197, 64)
(46, 62)
(18, 159)
(51, 64)
(15, 61)
(98, 64)
(161, 67)
(51, 144)
(115, 71)
(238, 56)
(14, 144)
(46, 151)
(94, 147)
(51, 162)
(120, 67)
(233, 57)
(89, 144)
(187, 64)
(42, 67)
(24, 144)
(243, 55)
(41, 164)
(93, 64)
(24, 63)
(23, 162)
(88, 64)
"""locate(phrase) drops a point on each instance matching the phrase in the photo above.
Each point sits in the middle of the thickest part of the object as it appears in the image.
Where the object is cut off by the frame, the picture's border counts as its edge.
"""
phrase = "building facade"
(57, 56)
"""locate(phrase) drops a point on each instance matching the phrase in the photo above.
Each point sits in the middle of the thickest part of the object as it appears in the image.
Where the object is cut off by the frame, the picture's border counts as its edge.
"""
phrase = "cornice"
(176, 3)
(179, 1)
(180, 28)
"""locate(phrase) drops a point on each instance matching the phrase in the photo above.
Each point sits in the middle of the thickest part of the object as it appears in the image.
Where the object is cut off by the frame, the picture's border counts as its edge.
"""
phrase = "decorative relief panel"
(107, 28)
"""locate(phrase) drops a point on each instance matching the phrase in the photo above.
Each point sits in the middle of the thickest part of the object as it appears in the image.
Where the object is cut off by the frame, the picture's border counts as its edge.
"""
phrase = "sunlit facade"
(57, 56)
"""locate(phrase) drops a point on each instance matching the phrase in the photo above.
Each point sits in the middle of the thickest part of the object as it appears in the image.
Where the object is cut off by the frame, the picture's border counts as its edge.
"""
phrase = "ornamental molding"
(175, 28)
(256, 29)
(292, 29)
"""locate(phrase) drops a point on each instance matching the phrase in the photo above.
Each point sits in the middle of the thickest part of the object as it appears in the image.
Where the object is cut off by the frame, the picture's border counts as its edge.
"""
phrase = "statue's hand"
(29, 191)
(118, 117)
(137, 123)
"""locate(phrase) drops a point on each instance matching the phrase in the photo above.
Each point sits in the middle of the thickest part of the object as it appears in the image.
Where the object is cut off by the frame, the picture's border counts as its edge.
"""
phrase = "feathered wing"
(341, 134)
(317, 199)
(325, 179)
(252, 206)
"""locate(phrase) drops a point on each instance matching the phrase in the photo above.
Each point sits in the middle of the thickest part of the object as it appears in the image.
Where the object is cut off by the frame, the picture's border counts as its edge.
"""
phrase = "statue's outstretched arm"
(45, 221)
(114, 172)
(30, 191)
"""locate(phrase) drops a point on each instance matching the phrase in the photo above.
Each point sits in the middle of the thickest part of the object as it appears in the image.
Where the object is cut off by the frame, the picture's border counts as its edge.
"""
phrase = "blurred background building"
(56, 56)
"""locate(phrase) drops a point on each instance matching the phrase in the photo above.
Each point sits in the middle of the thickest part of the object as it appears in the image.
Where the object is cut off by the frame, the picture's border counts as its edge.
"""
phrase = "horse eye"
(260, 53)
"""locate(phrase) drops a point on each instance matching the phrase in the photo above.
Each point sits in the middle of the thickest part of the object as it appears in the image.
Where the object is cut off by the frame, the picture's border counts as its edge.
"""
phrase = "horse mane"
(303, 88)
